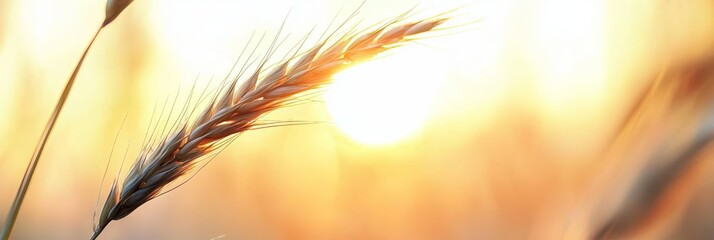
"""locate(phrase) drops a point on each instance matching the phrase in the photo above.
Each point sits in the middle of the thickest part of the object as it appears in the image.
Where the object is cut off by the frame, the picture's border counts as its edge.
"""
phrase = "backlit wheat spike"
(238, 108)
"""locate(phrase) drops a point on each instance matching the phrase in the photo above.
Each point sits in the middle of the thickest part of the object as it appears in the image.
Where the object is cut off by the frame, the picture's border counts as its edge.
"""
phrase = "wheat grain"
(238, 108)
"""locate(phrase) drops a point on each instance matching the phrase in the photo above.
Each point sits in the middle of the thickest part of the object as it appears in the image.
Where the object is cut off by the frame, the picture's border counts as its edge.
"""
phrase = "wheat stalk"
(112, 11)
(238, 107)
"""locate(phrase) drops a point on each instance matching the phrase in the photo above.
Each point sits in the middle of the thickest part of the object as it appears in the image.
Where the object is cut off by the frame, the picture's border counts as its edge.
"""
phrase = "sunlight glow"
(386, 100)
(568, 41)
(195, 32)
(206, 36)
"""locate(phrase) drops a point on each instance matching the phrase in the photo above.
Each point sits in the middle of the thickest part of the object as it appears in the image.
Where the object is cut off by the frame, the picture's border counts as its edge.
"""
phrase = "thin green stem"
(24, 185)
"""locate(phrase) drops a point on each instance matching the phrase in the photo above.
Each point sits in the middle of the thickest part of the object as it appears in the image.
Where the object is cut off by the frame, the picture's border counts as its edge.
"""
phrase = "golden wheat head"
(239, 106)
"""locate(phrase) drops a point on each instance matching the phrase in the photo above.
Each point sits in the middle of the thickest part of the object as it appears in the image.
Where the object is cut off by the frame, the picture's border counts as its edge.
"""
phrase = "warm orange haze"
(387, 100)
(509, 123)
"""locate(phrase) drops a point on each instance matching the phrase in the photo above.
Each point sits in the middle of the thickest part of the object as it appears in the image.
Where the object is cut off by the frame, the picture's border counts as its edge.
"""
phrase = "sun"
(386, 100)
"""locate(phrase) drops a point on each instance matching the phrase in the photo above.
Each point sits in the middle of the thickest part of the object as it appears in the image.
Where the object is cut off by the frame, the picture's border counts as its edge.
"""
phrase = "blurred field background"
(529, 98)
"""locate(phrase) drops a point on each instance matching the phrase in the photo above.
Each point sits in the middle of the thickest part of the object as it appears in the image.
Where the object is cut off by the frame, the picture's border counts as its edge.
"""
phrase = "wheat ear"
(238, 108)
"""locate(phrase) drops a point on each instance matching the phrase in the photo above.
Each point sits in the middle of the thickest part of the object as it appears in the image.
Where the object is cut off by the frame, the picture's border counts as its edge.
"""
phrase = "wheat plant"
(237, 107)
(112, 11)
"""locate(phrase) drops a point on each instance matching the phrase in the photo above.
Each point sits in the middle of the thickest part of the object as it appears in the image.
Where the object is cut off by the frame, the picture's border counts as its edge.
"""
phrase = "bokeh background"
(532, 94)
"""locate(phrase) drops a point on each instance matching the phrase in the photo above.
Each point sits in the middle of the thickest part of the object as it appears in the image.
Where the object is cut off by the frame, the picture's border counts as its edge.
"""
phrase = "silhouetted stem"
(25, 184)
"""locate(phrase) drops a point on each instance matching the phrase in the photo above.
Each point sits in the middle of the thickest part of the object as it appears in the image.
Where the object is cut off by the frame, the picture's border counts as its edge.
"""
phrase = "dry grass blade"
(238, 107)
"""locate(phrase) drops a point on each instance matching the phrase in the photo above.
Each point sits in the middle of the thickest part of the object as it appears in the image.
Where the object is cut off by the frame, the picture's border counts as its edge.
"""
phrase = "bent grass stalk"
(112, 11)
(237, 108)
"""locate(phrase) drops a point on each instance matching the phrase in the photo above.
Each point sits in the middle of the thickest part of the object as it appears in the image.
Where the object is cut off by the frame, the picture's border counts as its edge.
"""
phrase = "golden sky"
(483, 131)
